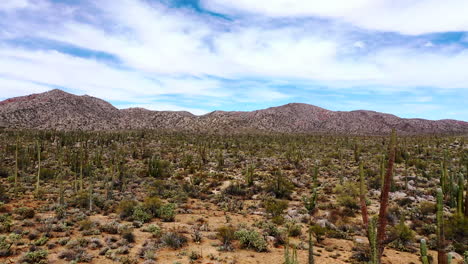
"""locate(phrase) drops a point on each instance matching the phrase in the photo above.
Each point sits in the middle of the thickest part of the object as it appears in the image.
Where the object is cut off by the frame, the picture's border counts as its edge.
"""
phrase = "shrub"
(5, 223)
(319, 232)
(35, 257)
(152, 205)
(47, 173)
(402, 236)
(158, 168)
(251, 239)
(41, 241)
(174, 240)
(276, 208)
(141, 215)
(236, 189)
(5, 247)
(294, 229)
(167, 212)
(457, 231)
(226, 234)
(155, 230)
(126, 207)
(25, 212)
(280, 185)
(127, 233)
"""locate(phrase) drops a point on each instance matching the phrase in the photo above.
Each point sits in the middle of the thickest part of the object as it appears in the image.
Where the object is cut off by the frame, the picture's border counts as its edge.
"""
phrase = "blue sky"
(405, 57)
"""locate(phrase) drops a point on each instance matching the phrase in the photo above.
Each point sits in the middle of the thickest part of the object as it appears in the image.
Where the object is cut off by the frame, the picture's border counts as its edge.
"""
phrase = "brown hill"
(57, 109)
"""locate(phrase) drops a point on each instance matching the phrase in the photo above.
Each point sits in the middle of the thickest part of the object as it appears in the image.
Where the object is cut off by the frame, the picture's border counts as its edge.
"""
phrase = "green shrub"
(167, 212)
(402, 235)
(141, 215)
(319, 232)
(126, 207)
(47, 174)
(5, 247)
(158, 168)
(294, 229)
(275, 208)
(251, 239)
(35, 257)
(226, 234)
(152, 205)
(280, 185)
(155, 230)
(5, 223)
(457, 231)
(41, 241)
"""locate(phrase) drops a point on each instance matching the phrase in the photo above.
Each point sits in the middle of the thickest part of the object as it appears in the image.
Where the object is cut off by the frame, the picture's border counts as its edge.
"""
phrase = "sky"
(404, 57)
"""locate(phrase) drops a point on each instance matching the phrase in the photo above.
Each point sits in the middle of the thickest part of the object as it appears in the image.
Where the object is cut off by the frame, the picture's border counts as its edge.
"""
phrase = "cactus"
(441, 255)
(16, 167)
(249, 175)
(81, 170)
(449, 258)
(91, 187)
(310, 202)
(382, 172)
(39, 168)
(461, 189)
(423, 248)
(362, 195)
(372, 236)
(290, 259)
(311, 248)
(382, 222)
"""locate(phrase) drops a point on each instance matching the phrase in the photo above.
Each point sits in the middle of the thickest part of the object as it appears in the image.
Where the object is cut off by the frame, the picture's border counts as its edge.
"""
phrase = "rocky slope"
(57, 109)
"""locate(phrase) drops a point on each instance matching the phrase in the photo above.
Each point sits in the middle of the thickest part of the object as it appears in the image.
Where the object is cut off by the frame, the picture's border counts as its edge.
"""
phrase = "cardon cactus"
(423, 249)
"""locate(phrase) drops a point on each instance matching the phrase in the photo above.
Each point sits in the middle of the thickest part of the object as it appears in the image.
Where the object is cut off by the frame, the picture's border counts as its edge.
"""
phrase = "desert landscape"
(234, 131)
(108, 195)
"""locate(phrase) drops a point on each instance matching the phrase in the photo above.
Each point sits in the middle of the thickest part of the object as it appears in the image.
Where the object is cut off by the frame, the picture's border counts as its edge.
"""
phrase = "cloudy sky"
(406, 57)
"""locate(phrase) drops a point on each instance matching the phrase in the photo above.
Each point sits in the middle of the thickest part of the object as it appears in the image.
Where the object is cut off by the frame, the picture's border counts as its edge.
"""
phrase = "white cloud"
(164, 51)
(404, 16)
(13, 88)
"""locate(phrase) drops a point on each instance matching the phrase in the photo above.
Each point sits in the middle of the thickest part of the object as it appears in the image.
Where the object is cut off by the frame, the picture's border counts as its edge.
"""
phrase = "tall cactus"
(461, 189)
(362, 195)
(441, 255)
(423, 249)
(382, 222)
(372, 236)
(311, 248)
(38, 178)
(16, 167)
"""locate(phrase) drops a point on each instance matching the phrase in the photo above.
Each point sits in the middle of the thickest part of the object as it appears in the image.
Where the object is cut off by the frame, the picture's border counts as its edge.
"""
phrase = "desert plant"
(423, 250)
(35, 257)
(226, 234)
(362, 196)
(311, 248)
(174, 240)
(167, 212)
(382, 220)
(441, 254)
(288, 258)
(251, 239)
(275, 208)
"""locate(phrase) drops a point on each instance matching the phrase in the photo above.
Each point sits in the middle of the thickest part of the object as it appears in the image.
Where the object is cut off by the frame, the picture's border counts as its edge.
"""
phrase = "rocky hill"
(57, 109)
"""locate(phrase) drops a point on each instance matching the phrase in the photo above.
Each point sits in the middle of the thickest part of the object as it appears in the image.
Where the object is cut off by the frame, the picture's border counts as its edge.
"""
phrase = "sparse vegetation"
(124, 196)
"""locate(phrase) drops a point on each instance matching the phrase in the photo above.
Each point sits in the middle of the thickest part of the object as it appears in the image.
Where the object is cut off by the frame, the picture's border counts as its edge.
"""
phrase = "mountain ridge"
(57, 109)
